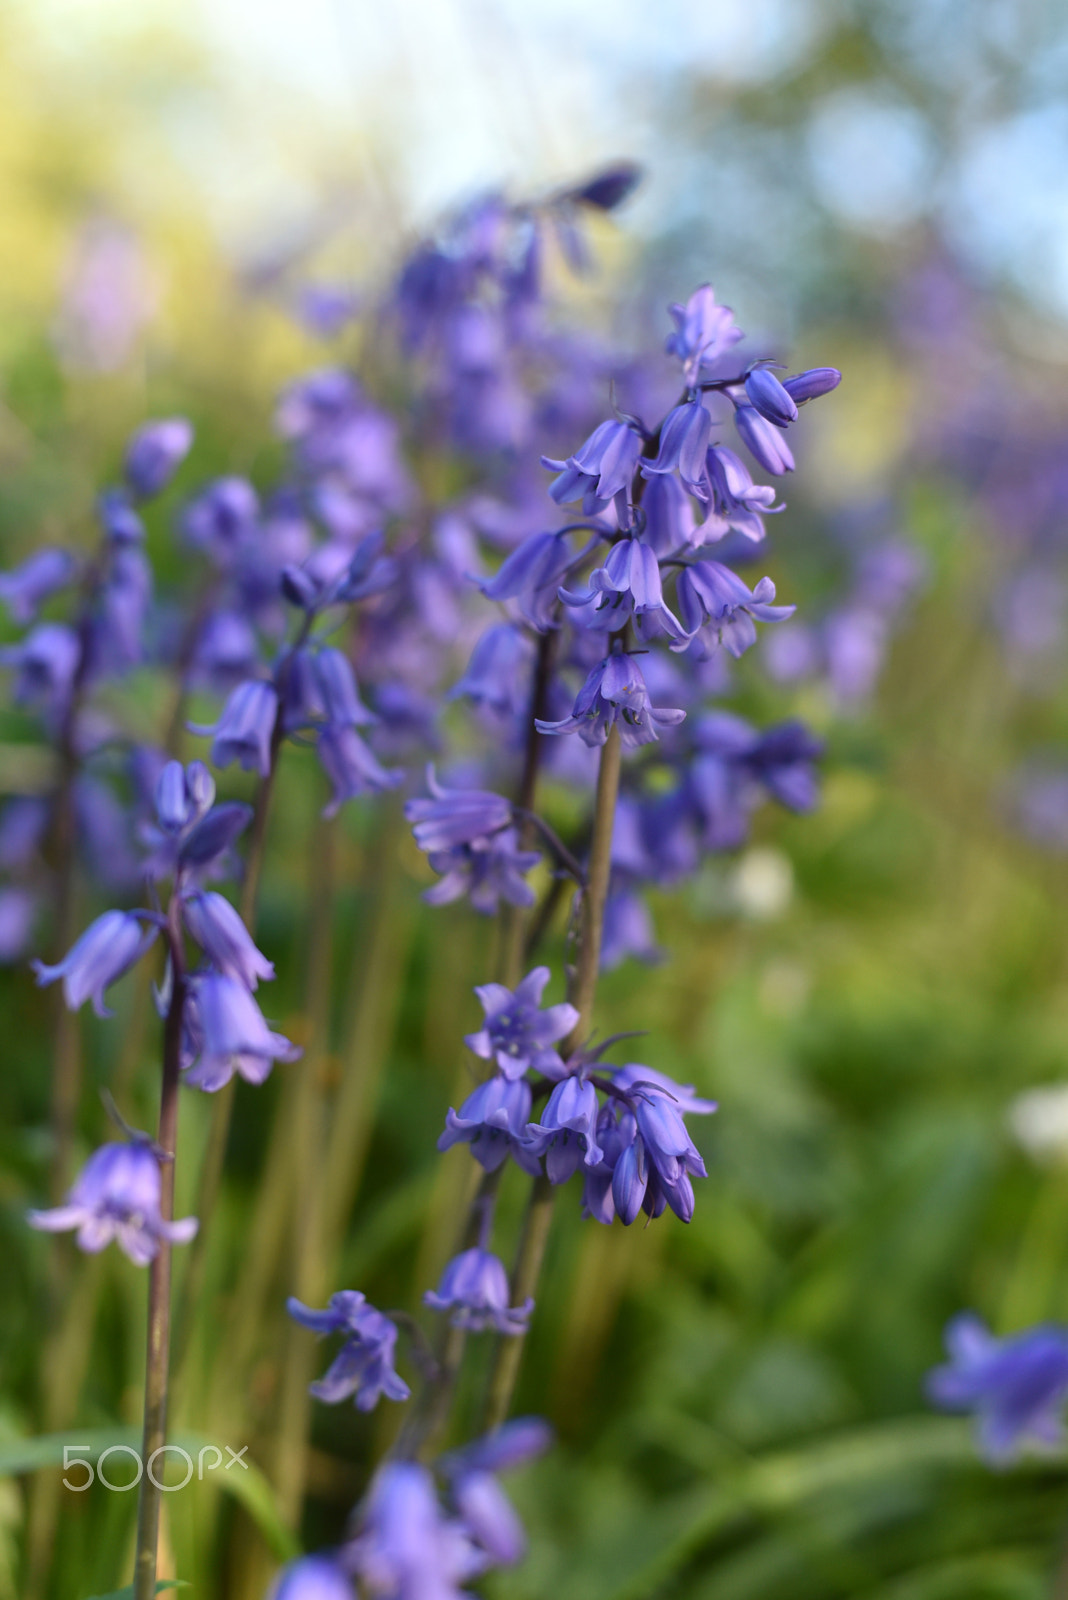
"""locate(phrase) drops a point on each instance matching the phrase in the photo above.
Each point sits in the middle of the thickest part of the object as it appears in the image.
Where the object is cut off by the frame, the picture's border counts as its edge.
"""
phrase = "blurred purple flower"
(154, 454)
(117, 1196)
(109, 947)
(363, 1366)
(1016, 1387)
(704, 331)
(25, 589)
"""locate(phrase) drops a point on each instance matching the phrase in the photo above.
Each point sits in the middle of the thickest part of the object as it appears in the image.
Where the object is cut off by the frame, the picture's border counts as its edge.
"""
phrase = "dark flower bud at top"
(155, 453)
(299, 587)
(770, 398)
(215, 833)
(811, 384)
(609, 189)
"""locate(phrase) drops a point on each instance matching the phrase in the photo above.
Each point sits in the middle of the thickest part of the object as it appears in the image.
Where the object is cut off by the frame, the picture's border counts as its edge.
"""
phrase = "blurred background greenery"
(868, 991)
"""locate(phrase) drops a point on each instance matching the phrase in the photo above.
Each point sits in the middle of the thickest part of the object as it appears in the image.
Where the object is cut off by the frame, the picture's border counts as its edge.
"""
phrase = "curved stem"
(159, 1285)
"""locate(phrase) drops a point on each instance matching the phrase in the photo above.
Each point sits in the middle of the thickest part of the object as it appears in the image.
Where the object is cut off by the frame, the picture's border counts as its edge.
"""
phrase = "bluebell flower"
(342, 706)
(469, 839)
(219, 931)
(474, 1287)
(704, 331)
(486, 871)
(116, 1196)
(600, 469)
(670, 524)
(245, 727)
(405, 1548)
(182, 797)
(456, 816)
(736, 766)
(109, 947)
(227, 1033)
(483, 1507)
(35, 580)
(123, 600)
(154, 454)
(300, 690)
(684, 437)
(351, 766)
(363, 1366)
(627, 585)
(118, 520)
(813, 383)
(614, 693)
(493, 1121)
(226, 651)
(222, 518)
(763, 440)
(685, 1097)
(616, 1129)
(530, 576)
(1016, 1387)
(517, 1034)
(628, 931)
(716, 605)
(207, 841)
(497, 678)
(737, 502)
(774, 402)
(45, 664)
(368, 572)
(316, 1577)
(567, 1133)
(511, 1445)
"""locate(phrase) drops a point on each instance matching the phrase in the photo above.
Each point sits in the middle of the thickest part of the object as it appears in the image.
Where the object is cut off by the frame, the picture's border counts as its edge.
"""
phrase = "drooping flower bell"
(244, 730)
(109, 947)
(228, 1034)
(1015, 1387)
(117, 1196)
(474, 1287)
(493, 1121)
(614, 693)
(363, 1366)
(719, 608)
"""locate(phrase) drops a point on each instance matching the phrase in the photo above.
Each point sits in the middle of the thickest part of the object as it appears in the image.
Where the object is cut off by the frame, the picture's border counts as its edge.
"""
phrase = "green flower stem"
(159, 1282)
